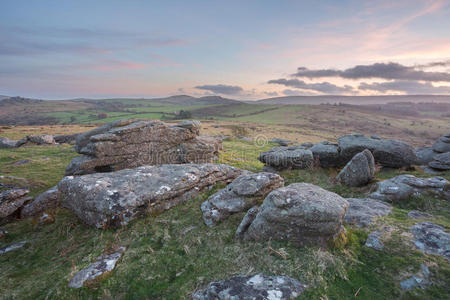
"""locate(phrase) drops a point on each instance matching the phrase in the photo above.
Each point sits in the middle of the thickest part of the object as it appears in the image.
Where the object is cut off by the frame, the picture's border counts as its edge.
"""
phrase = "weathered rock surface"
(374, 240)
(44, 139)
(240, 195)
(359, 171)
(419, 280)
(45, 201)
(11, 200)
(327, 154)
(281, 142)
(260, 286)
(246, 221)
(115, 198)
(301, 212)
(442, 145)
(389, 153)
(103, 265)
(424, 155)
(133, 143)
(292, 157)
(431, 238)
(415, 214)
(12, 247)
(441, 161)
(65, 138)
(402, 187)
(7, 143)
(362, 212)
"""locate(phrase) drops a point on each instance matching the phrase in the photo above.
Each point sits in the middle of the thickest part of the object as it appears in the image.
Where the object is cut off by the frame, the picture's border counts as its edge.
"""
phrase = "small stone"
(431, 238)
(415, 214)
(22, 162)
(374, 240)
(419, 280)
(258, 286)
(104, 264)
(12, 247)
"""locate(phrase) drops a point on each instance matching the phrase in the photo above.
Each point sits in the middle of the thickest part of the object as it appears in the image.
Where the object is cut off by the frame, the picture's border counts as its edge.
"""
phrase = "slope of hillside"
(359, 100)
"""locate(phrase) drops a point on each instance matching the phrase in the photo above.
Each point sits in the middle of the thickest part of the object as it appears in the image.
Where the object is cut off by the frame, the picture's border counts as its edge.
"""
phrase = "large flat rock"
(362, 211)
(291, 157)
(389, 153)
(402, 187)
(133, 143)
(115, 198)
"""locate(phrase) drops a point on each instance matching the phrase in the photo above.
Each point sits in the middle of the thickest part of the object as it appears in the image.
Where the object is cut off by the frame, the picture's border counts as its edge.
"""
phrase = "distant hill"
(189, 100)
(3, 97)
(357, 100)
(17, 101)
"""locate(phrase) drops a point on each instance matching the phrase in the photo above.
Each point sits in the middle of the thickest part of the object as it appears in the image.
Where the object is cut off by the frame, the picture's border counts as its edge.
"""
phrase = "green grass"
(44, 171)
(163, 262)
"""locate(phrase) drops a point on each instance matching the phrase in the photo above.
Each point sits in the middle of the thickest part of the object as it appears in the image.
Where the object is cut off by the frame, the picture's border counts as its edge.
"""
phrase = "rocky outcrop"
(424, 155)
(389, 153)
(431, 238)
(11, 201)
(243, 193)
(65, 138)
(362, 212)
(44, 139)
(101, 267)
(45, 201)
(292, 157)
(327, 154)
(114, 199)
(281, 142)
(7, 143)
(133, 143)
(442, 145)
(359, 171)
(300, 212)
(258, 286)
(441, 161)
(402, 187)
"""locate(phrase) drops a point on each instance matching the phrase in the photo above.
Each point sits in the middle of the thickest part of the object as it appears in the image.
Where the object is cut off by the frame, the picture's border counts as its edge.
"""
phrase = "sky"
(57, 49)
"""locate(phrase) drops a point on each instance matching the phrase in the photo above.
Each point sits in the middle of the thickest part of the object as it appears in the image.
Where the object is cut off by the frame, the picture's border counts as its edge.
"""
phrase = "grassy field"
(295, 122)
(162, 261)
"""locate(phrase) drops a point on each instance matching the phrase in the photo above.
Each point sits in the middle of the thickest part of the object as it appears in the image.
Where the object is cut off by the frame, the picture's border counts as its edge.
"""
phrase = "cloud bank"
(388, 71)
(394, 77)
(324, 87)
(221, 89)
